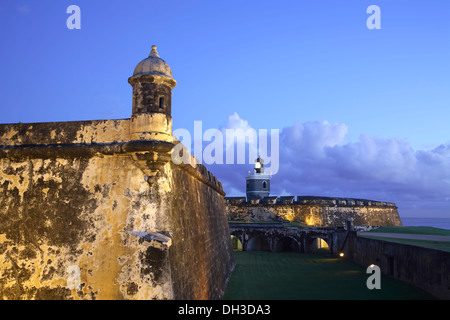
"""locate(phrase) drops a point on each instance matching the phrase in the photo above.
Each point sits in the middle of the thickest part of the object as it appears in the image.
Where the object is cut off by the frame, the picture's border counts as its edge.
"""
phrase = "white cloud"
(309, 139)
(234, 121)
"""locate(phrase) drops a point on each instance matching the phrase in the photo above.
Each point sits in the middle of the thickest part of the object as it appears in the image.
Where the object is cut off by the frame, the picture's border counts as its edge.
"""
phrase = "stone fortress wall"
(97, 209)
(77, 197)
(313, 211)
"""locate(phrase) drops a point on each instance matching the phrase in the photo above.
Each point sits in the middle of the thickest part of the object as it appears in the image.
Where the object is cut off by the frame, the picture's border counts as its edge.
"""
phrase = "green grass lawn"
(299, 276)
(439, 245)
(414, 230)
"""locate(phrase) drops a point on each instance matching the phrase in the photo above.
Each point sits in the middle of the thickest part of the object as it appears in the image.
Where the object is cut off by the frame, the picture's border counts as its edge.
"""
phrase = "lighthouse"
(258, 183)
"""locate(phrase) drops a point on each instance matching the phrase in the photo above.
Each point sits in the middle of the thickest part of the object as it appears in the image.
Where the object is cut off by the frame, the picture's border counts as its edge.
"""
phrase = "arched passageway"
(237, 244)
(276, 237)
(257, 243)
(287, 244)
(318, 244)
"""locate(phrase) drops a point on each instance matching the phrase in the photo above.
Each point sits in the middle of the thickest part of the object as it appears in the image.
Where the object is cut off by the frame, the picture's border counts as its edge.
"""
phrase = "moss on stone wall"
(94, 216)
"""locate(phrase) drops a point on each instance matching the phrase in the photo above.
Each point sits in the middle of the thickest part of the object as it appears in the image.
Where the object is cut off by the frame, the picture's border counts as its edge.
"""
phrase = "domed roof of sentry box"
(153, 65)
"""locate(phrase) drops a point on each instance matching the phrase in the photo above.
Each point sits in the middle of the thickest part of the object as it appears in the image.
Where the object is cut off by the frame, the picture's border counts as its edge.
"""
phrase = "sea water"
(443, 223)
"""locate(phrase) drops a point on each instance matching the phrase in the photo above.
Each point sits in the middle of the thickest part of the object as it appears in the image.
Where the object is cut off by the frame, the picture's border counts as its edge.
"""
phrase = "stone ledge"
(309, 200)
(67, 132)
(82, 150)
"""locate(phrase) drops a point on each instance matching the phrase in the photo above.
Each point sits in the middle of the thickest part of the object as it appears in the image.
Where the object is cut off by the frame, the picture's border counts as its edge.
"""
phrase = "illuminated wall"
(87, 213)
(318, 215)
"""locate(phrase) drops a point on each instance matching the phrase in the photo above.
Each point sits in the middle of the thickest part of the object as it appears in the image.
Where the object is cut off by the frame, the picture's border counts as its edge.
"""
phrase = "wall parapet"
(309, 200)
(201, 173)
(423, 267)
(86, 139)
(68, 132)
(196, 169)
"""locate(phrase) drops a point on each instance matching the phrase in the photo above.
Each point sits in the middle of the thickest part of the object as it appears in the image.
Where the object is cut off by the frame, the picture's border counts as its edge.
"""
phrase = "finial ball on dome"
(153, 65)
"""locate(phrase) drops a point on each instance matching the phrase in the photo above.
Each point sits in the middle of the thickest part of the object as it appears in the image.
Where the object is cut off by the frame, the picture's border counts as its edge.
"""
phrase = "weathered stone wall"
(425, 268)
(148, 94)
(201, 255)
(72, 132)
(87, 214)
(58, 215)
(315, 214)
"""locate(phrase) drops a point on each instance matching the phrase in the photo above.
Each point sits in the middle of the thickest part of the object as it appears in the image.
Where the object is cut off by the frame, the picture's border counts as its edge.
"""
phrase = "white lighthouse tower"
(258, 183)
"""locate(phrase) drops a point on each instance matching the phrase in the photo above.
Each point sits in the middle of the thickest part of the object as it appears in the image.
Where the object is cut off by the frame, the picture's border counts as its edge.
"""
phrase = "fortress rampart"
(423, 267)
(313, 211)
(80, 203)
(97, 209)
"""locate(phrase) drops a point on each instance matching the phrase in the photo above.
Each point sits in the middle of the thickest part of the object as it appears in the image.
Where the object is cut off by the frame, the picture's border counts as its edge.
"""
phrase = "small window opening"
(161, 103)
(264, 184)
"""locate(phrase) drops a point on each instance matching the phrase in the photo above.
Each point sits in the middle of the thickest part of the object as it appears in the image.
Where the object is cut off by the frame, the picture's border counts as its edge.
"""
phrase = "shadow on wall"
(258, 244)
(287, 244)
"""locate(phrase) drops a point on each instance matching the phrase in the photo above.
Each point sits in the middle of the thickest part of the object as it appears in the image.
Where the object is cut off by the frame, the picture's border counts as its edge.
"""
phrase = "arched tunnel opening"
(287, 244)
(258, 244)
(319, 245)
(237, 244)
(274, 241)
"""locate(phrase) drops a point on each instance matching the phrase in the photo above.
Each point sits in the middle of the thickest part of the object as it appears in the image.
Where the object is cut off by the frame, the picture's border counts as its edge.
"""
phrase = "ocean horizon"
(442, 223)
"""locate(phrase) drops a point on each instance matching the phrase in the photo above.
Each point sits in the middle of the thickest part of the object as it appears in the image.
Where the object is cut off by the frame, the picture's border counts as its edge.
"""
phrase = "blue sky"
(362, 113)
